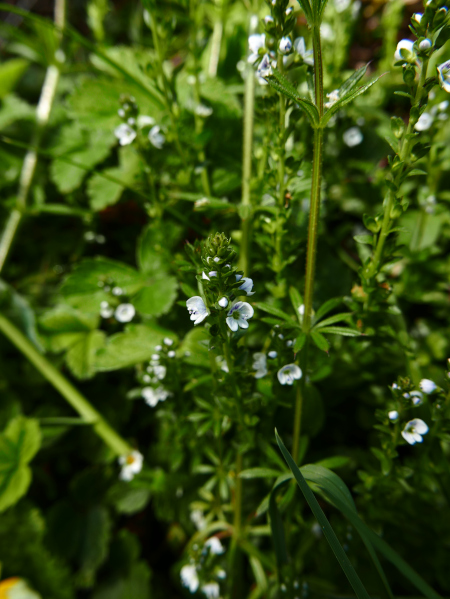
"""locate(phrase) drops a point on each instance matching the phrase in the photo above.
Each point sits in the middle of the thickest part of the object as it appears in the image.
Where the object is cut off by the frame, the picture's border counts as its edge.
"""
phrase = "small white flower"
(442, 106)
(413, 431)
(444, 75)
(201, 203)
(425, 45)
(211, 590)
(238, 277)
(203, 111)
(153, 396)
(216, 259)
(260, 365)
(212, 273)
(285, 45)
(268, 19)
(333, 97)
(301, 310)
(416, 398)
(220, 360)
(256, 41)
(171, 354)
(189, 578)
(105, 310)
(300, 48)
(125, 312)
(393, 415)
(131, 465)
(159, 371)
(353, 137)
(158, 347)
(394, 386)
(131, 121)
(117, 291)
(125, 134)
(223, 302)
(289, 343)
(145, 121)
(288, 374)
(247, 286)
(238, 315)
(417, 17)
(326, 32)
(121, 113)
(197, 309)
(289, 11)
(265, 67)
(404, 51)
(198, 519)
(272, 354)
(425, 121)
(155, 357)
(342, 5)
(215, 546)
(168, 341)
(204, 276)
(427, 386)
(157, 139)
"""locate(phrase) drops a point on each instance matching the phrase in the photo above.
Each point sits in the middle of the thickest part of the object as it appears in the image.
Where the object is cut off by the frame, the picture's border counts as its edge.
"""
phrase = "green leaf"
(329, 533)
(296, 301)
(19, 443)
(347, 332)
(332, 319)
(10, 73)
(366, 239)
(282, 84)
(158, 297)
(306, 7)
(416, 171)
(300, 342)
(81, 356)
(326, 307)
(272, 310)
(259, 473)
(277, 530)
(320, 340)
(17, 309)
(154, 244)
(136, 344)
(334, 462)
(95, 539)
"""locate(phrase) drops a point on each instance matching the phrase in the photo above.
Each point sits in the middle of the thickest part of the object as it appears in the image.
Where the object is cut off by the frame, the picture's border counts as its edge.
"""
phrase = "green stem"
(316, 184)
(234, 555)
(247, 154)
(89, 414)
(282, 141)
(299, 398)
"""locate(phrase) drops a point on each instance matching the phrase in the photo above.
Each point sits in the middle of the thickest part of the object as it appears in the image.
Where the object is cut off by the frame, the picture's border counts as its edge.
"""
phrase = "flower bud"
(440, 17)
(425, 45)
(409, 75)
(223, 302)
(285, 45)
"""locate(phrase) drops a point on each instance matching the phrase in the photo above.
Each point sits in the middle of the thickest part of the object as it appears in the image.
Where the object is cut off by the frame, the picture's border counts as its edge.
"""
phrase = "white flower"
(265, 67)
(223, 302)
(427, 386)
(417, 17)
(117, 291)
(204, 276)
(131, 465)
(413, 431)
(159, 371)
(155, 357)
(189, 578)
(341, 5)
(153, 396)
(288, 374)
(247, 286)
(404, 51)
(444, 75)
(145, 121)
(326, 32)
(105, 310)
(268, 19)
(238, 315)
(255, 43)
(156, 138)
(203, 111)
(215, 546)
(425, 121)
(260, 365)
(285, 45)
(272, 354)
(289, 11)
(124, 134)
(121, 113)
(425, 45)
(394, 386)
(300, 48)
(238, 277)
(197, 309)
(168, 341)
(333, 97)
(352, 137)
(131, 121)
(211, 590)
(125, 312)
(171, 354)
(393, 415)
(289, 343)
(416, 398)
(198, 519)
(201, 203)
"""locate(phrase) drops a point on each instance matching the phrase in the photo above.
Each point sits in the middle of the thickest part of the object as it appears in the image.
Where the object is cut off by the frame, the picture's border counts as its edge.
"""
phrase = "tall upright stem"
(118, 445)
(247, 154)
(316, 183)
(43, 110)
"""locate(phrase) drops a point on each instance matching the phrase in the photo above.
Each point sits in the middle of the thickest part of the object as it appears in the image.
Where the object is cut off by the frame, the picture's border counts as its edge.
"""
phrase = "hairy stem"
(43, 110)
(89, 414)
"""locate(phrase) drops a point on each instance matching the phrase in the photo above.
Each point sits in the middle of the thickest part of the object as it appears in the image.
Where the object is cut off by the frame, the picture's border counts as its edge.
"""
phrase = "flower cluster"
(222, 284)
(135, 124)
(122, 311)
(153, 390)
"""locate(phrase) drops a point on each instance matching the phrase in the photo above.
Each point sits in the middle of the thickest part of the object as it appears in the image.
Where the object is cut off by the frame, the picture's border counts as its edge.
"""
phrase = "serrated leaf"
(345, 331)
(282, 84)
(320, 340)
(19, 443)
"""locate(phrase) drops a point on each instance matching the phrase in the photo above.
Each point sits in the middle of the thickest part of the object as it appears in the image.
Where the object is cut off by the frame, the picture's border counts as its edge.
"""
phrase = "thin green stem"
(234, 561)
(299, 399)
(43, 110)
(247, 155)
(80, 404)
